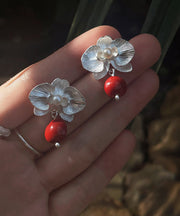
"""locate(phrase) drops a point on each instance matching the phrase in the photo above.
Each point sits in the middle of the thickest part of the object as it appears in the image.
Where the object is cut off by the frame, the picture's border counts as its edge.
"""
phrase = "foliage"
(163, 21)
(88, 15)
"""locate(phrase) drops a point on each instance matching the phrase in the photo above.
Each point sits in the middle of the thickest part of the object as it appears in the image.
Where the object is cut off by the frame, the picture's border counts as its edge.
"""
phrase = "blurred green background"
(31, 30)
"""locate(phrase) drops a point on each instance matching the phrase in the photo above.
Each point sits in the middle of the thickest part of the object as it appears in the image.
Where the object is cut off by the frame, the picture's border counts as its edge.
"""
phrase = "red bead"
(115, 85)
(55, 131)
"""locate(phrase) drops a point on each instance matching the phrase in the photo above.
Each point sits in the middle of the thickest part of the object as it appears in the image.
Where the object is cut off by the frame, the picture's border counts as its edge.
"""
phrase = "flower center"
(57, 100)
(107, 53)
(64, 101)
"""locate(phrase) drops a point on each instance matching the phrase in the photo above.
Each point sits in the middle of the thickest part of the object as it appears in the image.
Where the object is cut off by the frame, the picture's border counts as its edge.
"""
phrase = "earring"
(104, 58)
(62, 101)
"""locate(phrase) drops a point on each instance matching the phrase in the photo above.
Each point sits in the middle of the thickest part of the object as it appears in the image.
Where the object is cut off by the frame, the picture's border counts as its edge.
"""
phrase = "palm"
(21, 190)
(64, 181)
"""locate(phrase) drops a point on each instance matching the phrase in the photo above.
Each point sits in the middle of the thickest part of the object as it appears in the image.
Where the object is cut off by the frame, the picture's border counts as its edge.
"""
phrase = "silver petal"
(39, 112)
(39, 96)
(76, 101)
(102, 74)
(124, 68)
(66, 117)
(59, 86)
(125, 49)
(104, 42)
(89, 60)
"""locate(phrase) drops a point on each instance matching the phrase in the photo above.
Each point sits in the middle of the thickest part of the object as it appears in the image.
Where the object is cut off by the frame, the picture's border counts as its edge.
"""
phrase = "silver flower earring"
(62, 101)
(104, 58)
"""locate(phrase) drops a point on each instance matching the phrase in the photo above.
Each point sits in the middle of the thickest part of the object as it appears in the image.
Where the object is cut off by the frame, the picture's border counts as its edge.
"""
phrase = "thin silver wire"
(54, 114)
(111, 71)
(26, 143)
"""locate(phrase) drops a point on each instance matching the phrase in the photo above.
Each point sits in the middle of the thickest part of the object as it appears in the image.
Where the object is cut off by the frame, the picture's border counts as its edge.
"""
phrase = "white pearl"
(107, 53)
(56, 100)
(114, 51)
(100, 55)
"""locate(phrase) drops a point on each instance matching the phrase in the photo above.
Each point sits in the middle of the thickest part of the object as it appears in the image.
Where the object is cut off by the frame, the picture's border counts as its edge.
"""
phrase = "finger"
(64, 63)
(81, 191)
(147, 52)
(84, 145)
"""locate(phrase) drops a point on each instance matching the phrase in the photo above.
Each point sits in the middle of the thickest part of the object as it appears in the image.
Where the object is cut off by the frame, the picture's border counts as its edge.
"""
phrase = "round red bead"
(55, 131)
(115, 85)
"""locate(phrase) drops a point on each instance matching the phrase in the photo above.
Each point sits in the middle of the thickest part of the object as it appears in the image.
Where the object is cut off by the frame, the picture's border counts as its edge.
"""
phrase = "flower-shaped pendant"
(59, 99)
(107, 52)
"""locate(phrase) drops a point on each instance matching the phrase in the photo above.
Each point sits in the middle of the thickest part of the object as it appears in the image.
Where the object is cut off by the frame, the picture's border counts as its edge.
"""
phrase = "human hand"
(63, 182)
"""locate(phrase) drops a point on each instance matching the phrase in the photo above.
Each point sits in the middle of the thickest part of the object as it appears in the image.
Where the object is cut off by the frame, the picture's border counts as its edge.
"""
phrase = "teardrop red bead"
(115, 85)
(55, 131)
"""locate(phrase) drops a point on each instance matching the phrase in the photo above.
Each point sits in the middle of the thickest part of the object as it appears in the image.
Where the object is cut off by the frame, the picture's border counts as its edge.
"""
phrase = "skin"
(65, 181)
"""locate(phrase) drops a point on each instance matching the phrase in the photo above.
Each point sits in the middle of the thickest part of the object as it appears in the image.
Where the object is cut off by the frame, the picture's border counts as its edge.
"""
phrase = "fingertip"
(146, 44)
(154, 42)
(154, 80)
